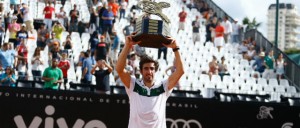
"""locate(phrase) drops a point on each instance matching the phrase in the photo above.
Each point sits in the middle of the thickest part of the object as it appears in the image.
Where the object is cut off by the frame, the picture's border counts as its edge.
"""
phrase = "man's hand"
(130, 41)
(173, 43)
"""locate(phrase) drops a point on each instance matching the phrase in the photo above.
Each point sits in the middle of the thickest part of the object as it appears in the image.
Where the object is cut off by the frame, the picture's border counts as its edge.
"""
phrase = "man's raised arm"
(174, 78)
(121, 63)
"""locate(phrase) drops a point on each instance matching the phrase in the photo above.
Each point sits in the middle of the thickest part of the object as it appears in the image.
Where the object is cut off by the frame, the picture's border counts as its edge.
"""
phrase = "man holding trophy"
(148, 97)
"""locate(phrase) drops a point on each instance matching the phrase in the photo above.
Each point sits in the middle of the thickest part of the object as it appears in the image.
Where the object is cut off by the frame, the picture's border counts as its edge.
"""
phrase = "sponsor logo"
(264, 113)
(287, 125)
(61, 122)
(185, 123)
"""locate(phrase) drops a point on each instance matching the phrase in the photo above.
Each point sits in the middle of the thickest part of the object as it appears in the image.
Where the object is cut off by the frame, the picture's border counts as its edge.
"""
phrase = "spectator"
(7, 57)
(227, 28)
(2, 31)
(94, 40)
(14, 27)
(64, 65)
(102, 76)
(51, 42)
(86, 77)
(22, 35)
(259, 64)
(101, 9)
(196, 30)
(63, 2)
(182, 16)
(251, 53)
(68, 45)
(48, 10)
(115, 8)
(243, 48)
(93, 19)
(108, 18)
(133, 17)
(129, 29)
(19, 14)
(223, 70)
(204, 11)
(280, 63)
(55, 52)
(52, 76)
(8, 78)
(115, 47)
(123, 9)
(219, 39)
(163, 50)
(8, 16)
(14, 3)
(74, 15)
(37, 62)
(42, 36)
(80, 58)
(210, 30)
(58, 29)
(28, 19)
(139, 51)
(22, 69)
(22, 50)
(235, 31)
(213, 67)
(269, 63)
(101, 49)
(61, 15)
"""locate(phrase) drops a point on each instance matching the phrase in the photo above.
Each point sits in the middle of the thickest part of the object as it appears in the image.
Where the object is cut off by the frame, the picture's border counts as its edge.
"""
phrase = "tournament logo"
(264, 113)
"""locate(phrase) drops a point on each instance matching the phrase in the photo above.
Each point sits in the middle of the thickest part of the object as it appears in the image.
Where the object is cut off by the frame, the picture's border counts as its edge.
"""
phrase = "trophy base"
(151, 41)
(152, 33)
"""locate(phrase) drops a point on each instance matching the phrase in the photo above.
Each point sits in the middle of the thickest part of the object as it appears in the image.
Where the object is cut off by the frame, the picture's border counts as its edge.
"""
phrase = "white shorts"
(181, 26)
(219, 41)
(196, 37)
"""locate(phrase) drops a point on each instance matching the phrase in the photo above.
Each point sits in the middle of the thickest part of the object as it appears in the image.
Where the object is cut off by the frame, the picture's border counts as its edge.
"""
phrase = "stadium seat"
(284, 82)
(273, 82)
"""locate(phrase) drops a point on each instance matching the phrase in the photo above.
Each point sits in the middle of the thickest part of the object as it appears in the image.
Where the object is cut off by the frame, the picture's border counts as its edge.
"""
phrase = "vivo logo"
(61, 122)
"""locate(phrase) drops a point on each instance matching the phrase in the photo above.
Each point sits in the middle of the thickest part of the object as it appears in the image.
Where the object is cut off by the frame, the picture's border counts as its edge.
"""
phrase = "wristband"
(176, 49)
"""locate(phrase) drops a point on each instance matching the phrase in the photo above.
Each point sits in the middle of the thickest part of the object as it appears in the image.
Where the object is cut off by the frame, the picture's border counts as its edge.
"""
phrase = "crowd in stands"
(105, 43)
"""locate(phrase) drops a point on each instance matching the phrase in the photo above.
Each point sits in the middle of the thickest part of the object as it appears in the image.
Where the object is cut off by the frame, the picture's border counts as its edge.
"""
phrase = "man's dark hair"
(148, 59)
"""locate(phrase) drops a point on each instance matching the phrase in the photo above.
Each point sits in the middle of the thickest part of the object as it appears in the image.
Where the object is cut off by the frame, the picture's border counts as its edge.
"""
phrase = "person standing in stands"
(22, 35)
(236, 31)
(280, 64)
(37, 63)
(8, 78)
(123, 9)
(148, 97)
(87, 65)
(64, 65)
(182, 16)
(196, 30)
(58, 29)
(74, 14)
(219, 39)
(52, 76)
(102, 76)
(115, 9)
(227, 28)
(7, 56)
(28, 19)
(269, 63)
(13, 28)
(48, 10)
(42, 37)
(101, 49)
(108, 18)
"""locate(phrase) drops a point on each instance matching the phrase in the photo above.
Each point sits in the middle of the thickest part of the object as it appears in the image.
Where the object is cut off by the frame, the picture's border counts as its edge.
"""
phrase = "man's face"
(54, 63)
(148, 72)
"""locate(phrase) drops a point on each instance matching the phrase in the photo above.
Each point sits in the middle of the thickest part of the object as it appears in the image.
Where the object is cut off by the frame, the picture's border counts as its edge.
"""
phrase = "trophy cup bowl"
(152, 33)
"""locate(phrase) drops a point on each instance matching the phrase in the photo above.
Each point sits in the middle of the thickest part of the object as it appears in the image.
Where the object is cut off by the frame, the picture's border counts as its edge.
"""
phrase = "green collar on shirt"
(153, 92)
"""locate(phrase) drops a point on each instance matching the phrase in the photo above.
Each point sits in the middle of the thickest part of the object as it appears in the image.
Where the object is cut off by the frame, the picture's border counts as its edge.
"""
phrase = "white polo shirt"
(147, 105)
